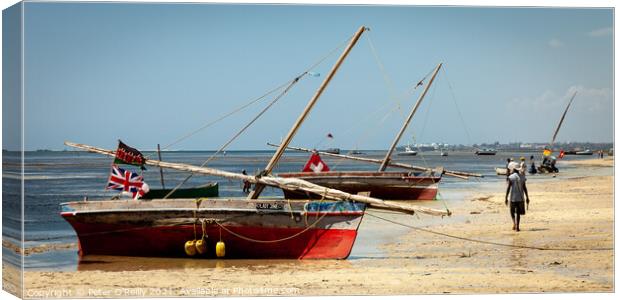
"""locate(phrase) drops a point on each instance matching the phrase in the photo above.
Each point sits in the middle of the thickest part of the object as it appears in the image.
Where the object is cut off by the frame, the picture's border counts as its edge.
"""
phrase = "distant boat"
(444, 153)
(501, 171)
(357, 152)
(383, 185)
(584, 152)
(333, 150)
(486, 152)
(408, 151)
(548, 163)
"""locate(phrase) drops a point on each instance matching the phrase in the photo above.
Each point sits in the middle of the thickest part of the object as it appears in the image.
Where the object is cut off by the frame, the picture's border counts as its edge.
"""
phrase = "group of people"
(516, 192)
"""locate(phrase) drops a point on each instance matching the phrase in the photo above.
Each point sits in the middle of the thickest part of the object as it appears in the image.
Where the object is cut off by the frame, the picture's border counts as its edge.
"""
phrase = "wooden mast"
(294, 184)
(161, 170)
(276, 157)
(458, 174)
(555, 134)
(388, 155)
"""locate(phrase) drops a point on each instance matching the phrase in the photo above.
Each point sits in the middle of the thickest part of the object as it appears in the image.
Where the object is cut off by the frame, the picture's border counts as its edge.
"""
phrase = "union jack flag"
(127, 181)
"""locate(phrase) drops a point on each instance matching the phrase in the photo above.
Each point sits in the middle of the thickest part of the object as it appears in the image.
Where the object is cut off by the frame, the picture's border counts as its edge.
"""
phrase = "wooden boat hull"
(382, 185)
(501, 171)
(583, 153)
(332, 150)
(207, 190)
(485, 153)
(307, 229)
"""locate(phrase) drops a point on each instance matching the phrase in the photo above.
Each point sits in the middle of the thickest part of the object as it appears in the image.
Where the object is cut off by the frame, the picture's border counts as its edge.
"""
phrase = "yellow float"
(220, 249)
(190, 248)
(201, 246)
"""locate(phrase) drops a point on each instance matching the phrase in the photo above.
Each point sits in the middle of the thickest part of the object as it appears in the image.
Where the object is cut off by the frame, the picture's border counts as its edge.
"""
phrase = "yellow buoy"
(220, 249)
(201, 246)
(190, 248)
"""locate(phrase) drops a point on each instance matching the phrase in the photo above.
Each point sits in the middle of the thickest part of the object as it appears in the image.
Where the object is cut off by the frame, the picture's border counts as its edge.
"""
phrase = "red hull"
(382, 185)
(169, 241)
(377, 192)
(160, 228)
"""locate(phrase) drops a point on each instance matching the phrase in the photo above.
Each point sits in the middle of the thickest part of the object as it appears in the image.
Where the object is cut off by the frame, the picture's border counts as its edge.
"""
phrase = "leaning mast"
(388, 155)
(276, 157)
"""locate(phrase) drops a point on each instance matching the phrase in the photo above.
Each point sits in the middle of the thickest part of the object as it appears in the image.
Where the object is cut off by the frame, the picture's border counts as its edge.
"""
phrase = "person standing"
(508, 160)
(246, 184)
(532, 165)
(516, 190)
(522, 166)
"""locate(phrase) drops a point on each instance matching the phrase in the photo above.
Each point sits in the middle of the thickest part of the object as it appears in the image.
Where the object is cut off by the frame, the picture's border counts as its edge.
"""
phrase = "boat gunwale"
(287, 209)
(359, 174)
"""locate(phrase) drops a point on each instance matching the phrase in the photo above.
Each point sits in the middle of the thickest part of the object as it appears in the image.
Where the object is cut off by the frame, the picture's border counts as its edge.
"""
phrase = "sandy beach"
(571, 215)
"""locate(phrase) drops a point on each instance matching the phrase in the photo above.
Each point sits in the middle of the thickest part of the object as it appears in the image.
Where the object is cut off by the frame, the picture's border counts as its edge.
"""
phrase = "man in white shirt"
(516, 190)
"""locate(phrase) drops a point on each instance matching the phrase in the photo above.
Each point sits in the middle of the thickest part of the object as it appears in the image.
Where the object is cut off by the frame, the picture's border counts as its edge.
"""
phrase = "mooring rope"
(236, 135)
(308, 227)
(314, 65)
(486, 242)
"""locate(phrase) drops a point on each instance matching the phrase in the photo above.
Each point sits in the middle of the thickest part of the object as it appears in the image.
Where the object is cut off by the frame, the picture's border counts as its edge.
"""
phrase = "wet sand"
(572, 213)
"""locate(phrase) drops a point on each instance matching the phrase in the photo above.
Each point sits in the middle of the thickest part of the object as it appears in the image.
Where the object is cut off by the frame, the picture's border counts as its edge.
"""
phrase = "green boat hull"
(207, 190)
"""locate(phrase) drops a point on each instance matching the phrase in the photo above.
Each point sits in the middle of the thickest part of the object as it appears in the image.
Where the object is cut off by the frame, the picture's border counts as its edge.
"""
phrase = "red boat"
(249, 228)
(383, 185)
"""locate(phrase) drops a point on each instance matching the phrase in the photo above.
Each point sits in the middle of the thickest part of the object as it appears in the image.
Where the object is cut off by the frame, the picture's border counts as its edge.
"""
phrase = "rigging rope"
(428, 109)
(388, 80)
(485, 242)
(272, 241)
(464, 125)
(313, 66)
(292, 83)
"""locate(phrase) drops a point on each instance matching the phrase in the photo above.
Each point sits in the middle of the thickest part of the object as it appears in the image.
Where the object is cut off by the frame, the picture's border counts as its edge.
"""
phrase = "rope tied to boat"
(485, 242)
(221, 226)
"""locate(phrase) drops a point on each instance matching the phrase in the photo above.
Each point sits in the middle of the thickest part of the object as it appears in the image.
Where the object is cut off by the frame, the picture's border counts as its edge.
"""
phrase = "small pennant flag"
(315, 164)
(561, 154)
(419, 84)
(329, 135)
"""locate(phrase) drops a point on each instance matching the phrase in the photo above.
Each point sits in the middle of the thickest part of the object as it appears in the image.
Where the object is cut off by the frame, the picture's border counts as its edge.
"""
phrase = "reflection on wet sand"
(126, 263)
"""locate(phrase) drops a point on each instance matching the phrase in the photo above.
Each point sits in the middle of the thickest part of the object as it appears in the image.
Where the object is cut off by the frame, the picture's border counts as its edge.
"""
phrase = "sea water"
(54, 177)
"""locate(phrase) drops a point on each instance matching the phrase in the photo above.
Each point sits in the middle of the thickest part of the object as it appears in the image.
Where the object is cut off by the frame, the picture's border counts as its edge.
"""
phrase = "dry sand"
(570, 212)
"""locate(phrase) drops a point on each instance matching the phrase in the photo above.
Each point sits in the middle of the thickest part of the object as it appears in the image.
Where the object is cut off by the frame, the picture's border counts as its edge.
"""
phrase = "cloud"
(593, 99)
(605, 31)
(555, 43)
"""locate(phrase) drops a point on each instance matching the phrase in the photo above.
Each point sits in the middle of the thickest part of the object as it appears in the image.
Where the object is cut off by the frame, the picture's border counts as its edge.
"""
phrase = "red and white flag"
(561, 154)
(315, 164)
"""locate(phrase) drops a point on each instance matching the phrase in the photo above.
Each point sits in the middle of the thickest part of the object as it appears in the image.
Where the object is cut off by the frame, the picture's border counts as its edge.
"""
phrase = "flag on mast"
(315, 164)
(129, 156)
(127, 181)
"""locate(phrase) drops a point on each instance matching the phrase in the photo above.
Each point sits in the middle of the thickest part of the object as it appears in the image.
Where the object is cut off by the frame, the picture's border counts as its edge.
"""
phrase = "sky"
(152, 73)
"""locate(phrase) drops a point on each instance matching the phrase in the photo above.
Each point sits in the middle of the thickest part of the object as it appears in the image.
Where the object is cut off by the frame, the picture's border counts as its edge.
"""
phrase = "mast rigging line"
(290, 85)
(388, 80)
(458, 111)
(485, 242)
(234, 137)
(244, 106)
(426, 113)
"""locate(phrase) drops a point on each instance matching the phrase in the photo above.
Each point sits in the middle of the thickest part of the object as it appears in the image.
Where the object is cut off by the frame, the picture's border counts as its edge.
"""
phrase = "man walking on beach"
(516, 189)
